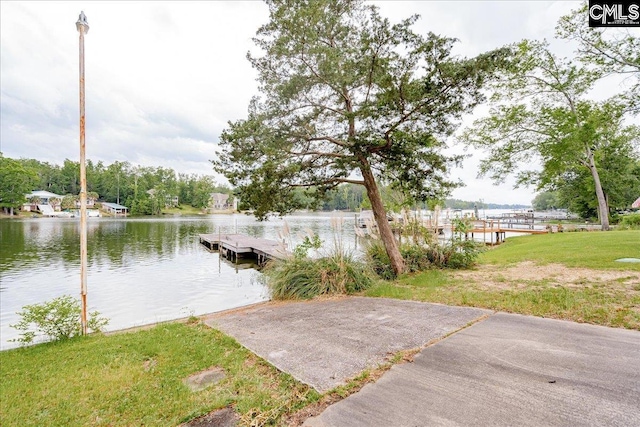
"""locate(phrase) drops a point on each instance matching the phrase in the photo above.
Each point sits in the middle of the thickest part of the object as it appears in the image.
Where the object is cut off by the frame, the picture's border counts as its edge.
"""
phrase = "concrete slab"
(205, 379)
(323, 343)
(504, 371)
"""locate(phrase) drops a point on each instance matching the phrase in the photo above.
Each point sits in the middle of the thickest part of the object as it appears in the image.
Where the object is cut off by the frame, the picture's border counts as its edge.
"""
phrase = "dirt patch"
(492, 277)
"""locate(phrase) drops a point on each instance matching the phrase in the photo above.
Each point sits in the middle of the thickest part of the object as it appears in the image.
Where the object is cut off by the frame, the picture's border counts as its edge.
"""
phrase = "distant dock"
(234, 246)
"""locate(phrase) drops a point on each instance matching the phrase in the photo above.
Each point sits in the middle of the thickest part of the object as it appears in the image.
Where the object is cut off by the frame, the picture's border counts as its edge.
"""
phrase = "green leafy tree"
(16, 181)
(540, 113)
(344, 197)
(608, 50)
(202, 189)
(92, 195)
(69, 201)
(185, 187)
(49, 176)
(95, 176)
(349, 98)
(55, 202)
(620, 181)
(70, 177)
(547, 200)
(116, 182)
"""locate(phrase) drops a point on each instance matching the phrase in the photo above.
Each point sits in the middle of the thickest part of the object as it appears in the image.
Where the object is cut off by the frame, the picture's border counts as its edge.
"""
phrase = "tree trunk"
(603, 207)
(380, 215)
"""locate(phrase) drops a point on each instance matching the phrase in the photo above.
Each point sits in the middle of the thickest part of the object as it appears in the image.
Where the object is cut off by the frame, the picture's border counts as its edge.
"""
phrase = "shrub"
(630, 222)
(424, 251)
(57, 319)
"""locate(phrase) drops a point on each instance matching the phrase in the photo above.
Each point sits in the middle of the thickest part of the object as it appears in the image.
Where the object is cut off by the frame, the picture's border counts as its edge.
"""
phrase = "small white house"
(42, 198)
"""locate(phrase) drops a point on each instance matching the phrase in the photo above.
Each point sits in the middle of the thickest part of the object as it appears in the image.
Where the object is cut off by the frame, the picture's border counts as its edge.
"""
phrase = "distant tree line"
(463, 204)
(129, 185)
(144, 190)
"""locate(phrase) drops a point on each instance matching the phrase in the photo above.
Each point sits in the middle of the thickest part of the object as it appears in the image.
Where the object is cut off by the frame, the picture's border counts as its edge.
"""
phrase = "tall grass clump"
(422, 250)
(300, 276)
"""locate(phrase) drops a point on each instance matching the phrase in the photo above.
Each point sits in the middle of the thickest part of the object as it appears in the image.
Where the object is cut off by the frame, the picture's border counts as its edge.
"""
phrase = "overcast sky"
(163, 78)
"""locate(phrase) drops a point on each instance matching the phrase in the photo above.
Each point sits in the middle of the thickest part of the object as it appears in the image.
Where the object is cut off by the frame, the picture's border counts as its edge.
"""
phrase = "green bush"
(57, 319)
(420, 255)
(630, 222)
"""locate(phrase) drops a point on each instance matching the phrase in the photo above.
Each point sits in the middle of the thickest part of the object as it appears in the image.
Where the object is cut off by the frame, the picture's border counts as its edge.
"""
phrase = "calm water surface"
(140, 271)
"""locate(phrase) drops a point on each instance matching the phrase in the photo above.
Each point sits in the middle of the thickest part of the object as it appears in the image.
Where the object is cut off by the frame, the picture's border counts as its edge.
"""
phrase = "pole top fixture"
(82, 25)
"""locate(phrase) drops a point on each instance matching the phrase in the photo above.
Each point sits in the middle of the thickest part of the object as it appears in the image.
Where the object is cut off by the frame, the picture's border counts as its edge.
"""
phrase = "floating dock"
(234, 246)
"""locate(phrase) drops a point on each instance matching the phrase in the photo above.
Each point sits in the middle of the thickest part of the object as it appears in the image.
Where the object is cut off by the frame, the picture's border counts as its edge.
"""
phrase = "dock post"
(236, 258)
(484, 231)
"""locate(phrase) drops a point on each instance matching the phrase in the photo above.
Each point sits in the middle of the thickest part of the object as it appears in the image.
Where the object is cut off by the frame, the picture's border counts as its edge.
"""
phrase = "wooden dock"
(234, 246)
(500, 228)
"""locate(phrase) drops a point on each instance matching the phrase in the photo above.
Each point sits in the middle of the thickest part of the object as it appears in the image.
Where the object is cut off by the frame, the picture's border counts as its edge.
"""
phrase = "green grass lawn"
(517, 277)
(579, 249)
(136, 379)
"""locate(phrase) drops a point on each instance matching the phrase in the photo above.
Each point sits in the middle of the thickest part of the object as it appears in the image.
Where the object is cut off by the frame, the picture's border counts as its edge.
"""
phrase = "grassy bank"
(572, 276)
(136, 379)
(183, 210)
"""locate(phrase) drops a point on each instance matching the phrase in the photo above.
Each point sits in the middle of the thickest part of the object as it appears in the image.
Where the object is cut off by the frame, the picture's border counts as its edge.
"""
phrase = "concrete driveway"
(507, 370)
(478, 368)
(324, 343)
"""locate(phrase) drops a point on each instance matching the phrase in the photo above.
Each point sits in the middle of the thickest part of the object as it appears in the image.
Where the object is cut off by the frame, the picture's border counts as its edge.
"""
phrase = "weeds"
(57, 319)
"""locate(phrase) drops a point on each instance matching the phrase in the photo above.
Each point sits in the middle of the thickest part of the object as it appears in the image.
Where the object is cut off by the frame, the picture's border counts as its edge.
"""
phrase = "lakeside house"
(115, 209)
(219, 201)
(42, 201)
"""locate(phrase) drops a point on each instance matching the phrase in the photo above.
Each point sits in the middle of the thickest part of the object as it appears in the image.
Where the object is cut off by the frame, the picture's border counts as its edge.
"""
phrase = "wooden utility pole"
(83, 27)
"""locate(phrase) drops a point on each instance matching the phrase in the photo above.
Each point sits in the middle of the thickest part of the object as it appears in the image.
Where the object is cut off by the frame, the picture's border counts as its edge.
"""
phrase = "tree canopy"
(16, 180)
(347, 97)
(607, 50)
(541, 116)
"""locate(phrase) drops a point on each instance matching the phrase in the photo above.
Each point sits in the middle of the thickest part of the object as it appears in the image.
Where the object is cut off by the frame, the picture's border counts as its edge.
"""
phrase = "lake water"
(140, 271)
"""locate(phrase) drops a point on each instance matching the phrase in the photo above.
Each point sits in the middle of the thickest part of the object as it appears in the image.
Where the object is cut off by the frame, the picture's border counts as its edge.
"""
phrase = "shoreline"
(201, 318)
